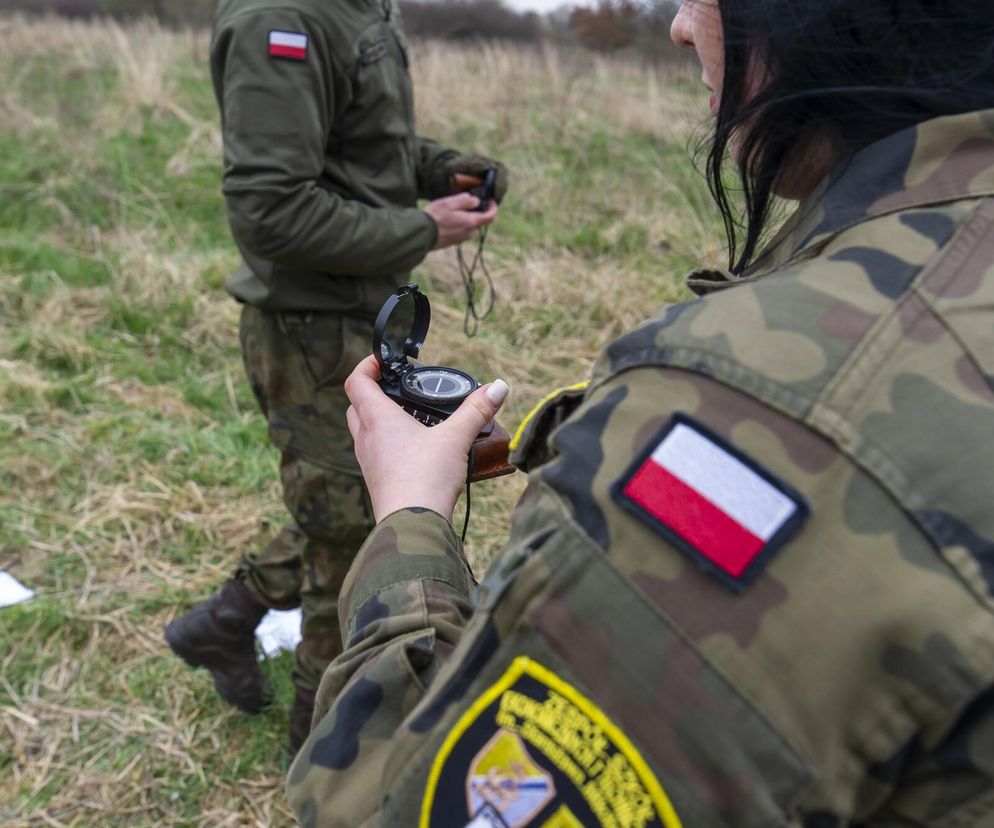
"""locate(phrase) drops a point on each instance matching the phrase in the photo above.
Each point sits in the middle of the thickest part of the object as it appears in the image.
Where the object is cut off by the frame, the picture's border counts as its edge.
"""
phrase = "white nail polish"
(497, 391)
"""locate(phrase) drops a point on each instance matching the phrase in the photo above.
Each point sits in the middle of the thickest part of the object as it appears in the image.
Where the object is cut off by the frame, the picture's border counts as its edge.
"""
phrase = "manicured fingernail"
(496, 391)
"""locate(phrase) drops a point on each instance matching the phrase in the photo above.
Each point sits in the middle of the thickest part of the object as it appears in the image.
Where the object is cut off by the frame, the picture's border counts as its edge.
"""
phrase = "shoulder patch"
(372, 52)
(288, 45)
(710, 500)
(534, 751)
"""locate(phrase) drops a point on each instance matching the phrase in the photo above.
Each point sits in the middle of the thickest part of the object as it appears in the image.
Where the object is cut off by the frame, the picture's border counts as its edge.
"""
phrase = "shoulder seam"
(871, 352)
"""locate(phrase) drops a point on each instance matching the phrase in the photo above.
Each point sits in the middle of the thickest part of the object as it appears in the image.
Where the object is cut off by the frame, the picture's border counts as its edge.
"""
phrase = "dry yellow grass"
(124, 493)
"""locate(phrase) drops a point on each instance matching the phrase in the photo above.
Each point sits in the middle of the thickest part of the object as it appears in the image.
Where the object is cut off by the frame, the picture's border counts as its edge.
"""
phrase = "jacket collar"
(937, 161)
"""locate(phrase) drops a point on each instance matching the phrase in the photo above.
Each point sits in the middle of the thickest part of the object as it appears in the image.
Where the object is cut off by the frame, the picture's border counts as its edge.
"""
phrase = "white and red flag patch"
(715, 503)
(288, 45)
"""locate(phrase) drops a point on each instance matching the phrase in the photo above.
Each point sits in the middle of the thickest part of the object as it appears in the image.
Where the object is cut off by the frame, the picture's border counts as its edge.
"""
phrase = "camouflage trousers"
(296, 363)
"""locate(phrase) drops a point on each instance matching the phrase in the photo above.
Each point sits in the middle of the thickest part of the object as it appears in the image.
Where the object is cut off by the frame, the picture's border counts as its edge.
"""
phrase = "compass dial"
(438, 385)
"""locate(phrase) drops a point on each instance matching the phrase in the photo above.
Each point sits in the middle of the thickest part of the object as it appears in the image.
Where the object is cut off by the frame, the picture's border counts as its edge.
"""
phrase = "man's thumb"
(479, 408)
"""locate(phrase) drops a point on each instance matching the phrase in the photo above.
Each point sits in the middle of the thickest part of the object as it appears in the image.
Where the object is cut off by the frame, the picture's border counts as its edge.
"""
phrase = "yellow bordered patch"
(532, 750)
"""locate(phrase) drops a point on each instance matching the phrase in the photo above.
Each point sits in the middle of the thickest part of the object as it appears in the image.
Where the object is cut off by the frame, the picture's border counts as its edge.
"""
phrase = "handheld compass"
(429, 393)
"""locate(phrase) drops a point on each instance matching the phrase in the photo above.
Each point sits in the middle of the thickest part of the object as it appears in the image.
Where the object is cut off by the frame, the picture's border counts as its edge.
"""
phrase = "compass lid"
(400, 328)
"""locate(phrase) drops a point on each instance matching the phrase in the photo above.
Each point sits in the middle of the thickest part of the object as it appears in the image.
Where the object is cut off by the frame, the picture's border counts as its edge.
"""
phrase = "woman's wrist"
(407, 512)
(405, 502)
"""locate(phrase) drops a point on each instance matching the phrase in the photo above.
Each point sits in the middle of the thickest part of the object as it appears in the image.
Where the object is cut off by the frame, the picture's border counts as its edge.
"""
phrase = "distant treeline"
(611, 25)
(172, 12)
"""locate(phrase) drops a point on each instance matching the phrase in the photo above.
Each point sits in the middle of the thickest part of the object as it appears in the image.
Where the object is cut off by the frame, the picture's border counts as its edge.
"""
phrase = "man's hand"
(457, 219)
(404, 463)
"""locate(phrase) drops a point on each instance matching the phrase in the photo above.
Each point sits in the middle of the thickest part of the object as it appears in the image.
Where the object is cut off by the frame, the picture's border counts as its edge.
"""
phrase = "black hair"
(840, 74)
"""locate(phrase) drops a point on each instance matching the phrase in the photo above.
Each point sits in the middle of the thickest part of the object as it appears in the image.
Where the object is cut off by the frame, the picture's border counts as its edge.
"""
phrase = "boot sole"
(204, 657)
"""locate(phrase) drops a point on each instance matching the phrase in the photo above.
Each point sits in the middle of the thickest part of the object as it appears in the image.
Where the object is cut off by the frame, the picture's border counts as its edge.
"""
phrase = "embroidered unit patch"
(288, 45)
(712, 501)
(534, 751)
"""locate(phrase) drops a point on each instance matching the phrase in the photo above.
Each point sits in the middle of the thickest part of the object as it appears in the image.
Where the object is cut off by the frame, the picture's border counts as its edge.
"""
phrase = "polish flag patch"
(710, 500)
(288, 45)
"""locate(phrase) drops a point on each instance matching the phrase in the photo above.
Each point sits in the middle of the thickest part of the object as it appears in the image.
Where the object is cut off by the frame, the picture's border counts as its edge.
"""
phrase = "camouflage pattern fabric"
(598, 676)
(296, 364)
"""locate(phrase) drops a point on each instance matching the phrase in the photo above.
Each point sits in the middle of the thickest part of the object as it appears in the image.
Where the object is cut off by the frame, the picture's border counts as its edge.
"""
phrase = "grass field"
(133, 465)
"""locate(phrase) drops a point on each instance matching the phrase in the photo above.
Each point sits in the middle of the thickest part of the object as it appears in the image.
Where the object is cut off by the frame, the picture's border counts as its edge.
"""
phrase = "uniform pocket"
(380, 109)
(320, 340)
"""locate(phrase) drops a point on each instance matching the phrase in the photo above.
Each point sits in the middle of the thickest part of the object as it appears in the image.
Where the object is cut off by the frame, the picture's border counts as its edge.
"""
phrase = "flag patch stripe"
(724, 480)
(288, 45)
(711, 501)
(289, 39)
(702, 524)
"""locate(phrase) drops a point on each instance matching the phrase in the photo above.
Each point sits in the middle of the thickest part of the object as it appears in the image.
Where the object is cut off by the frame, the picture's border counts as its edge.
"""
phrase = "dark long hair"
(841, 75)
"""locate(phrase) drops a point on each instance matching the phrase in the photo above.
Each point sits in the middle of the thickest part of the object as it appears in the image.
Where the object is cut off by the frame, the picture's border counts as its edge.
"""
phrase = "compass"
(430, 393)
(433, 384)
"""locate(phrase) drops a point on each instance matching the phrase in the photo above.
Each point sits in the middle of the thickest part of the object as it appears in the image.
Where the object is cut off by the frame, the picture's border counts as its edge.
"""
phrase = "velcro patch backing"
(710, 500)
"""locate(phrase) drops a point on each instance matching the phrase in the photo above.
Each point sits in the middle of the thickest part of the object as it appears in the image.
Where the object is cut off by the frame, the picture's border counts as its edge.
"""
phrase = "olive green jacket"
(322, 167)
(605, 672)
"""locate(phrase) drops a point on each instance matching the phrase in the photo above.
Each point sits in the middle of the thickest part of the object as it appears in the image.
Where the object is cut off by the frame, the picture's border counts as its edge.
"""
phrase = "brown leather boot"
(219, 634)
(300, 719)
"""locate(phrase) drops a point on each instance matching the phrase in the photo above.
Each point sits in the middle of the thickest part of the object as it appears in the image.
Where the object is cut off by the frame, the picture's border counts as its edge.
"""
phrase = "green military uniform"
(615, 667)
(322, 174)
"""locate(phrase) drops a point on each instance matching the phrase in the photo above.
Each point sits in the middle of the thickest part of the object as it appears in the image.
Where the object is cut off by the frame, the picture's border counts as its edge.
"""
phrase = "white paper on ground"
(279, 630)
(13, 591)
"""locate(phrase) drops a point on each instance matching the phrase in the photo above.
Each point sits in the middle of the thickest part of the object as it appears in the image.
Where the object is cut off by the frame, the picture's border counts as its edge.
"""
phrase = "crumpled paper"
(279, 630)
(13, 591)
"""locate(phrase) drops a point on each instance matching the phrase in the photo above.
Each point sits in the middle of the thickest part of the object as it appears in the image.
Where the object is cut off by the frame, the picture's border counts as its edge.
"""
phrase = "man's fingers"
(460, 201)
(478, 409)
(474, 221)
(489, 214)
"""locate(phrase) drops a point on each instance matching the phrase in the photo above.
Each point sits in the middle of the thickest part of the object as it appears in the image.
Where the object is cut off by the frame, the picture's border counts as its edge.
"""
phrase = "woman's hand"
(406, 464)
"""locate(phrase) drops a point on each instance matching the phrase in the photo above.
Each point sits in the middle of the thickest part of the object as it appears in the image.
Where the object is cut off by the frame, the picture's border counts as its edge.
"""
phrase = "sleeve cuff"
(407, 546)
(432, 232)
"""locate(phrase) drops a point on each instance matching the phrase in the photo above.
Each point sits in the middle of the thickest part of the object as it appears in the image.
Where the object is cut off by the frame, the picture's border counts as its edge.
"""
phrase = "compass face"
(438, 385)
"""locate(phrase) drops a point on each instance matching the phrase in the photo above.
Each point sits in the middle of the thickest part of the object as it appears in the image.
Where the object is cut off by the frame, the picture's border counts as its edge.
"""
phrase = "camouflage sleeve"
(951, 785)
(276, 116)
(402, 609)
(847, 681)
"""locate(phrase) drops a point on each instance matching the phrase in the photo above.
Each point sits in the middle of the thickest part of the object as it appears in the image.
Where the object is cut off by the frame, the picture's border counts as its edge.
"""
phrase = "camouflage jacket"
(322, 166)
(622, 662)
